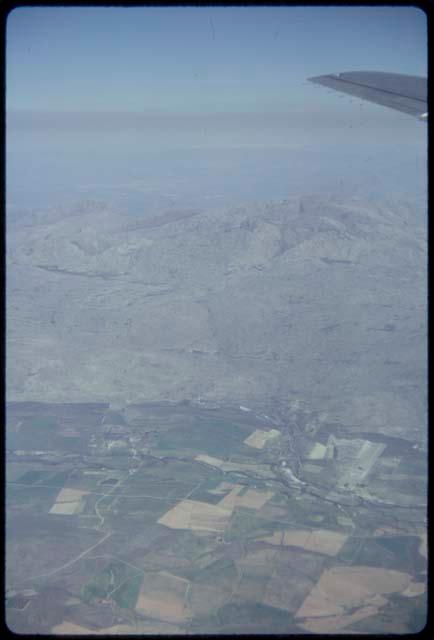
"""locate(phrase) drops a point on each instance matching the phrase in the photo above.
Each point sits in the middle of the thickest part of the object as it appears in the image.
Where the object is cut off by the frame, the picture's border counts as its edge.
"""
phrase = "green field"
(216, 438)
(127, 594)
(221, 573)
(246, 524)
(231, 569)
(405, 550)
(57, 479)
(33, 434)
(117, 580)
(148, 510)
(186, 544)
(242, 617)
(34, 476)
(39, 498)
(44, 422)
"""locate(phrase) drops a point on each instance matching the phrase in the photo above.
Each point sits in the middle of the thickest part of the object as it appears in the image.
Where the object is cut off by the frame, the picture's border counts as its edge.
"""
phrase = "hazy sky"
(99, 96)
(210, 59)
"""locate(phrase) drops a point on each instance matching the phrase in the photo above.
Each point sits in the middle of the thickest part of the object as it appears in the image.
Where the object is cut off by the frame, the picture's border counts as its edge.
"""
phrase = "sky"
(101, 99)
(199, 59)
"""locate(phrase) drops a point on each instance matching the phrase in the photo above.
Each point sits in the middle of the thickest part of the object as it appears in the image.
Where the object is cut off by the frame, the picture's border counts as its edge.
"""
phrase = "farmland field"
(196, 530)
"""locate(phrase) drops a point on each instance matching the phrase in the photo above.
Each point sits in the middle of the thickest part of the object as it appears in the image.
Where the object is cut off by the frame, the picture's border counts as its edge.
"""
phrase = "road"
(70, 562)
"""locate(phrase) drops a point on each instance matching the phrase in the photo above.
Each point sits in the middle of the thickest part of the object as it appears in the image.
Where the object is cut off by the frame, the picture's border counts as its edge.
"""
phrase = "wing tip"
(321, 79)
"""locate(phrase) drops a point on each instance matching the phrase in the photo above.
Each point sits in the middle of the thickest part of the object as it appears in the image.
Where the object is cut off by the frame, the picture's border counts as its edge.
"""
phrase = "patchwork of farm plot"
(210, 537)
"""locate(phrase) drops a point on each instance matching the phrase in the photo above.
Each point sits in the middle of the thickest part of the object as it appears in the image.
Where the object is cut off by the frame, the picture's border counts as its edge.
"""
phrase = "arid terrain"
(324, 301)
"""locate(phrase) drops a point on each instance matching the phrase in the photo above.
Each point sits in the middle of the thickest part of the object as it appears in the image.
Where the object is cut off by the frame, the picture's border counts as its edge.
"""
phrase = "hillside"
(323, 301)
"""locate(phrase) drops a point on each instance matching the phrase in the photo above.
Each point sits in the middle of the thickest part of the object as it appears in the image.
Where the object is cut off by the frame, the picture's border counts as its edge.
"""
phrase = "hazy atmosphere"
(216, 323)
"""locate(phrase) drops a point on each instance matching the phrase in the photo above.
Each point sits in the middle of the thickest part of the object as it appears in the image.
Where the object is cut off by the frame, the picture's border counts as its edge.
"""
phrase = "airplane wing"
(403, 93)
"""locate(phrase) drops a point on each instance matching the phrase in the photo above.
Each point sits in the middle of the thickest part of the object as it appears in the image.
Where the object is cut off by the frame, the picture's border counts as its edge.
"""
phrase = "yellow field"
(201, 516)
(387, 531)
(70, 495)
(252, 499)
(65, 508)
(206, 599)
(258, 558)
(231, 466)
(320, 540)
(341, 587)
(414, 589)
(240, 466)
(228, 502)
(317, 452)
(70, 628)
(68, 501)
(335, 623)
(214, 462)
(258, 438)
(423, 545)
(189, 514)
(276, 537)
(390, 463)
(164, 597)
(222, 488)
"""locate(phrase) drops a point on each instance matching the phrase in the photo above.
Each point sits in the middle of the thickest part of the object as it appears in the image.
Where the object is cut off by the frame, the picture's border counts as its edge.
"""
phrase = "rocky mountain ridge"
(303, 298)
